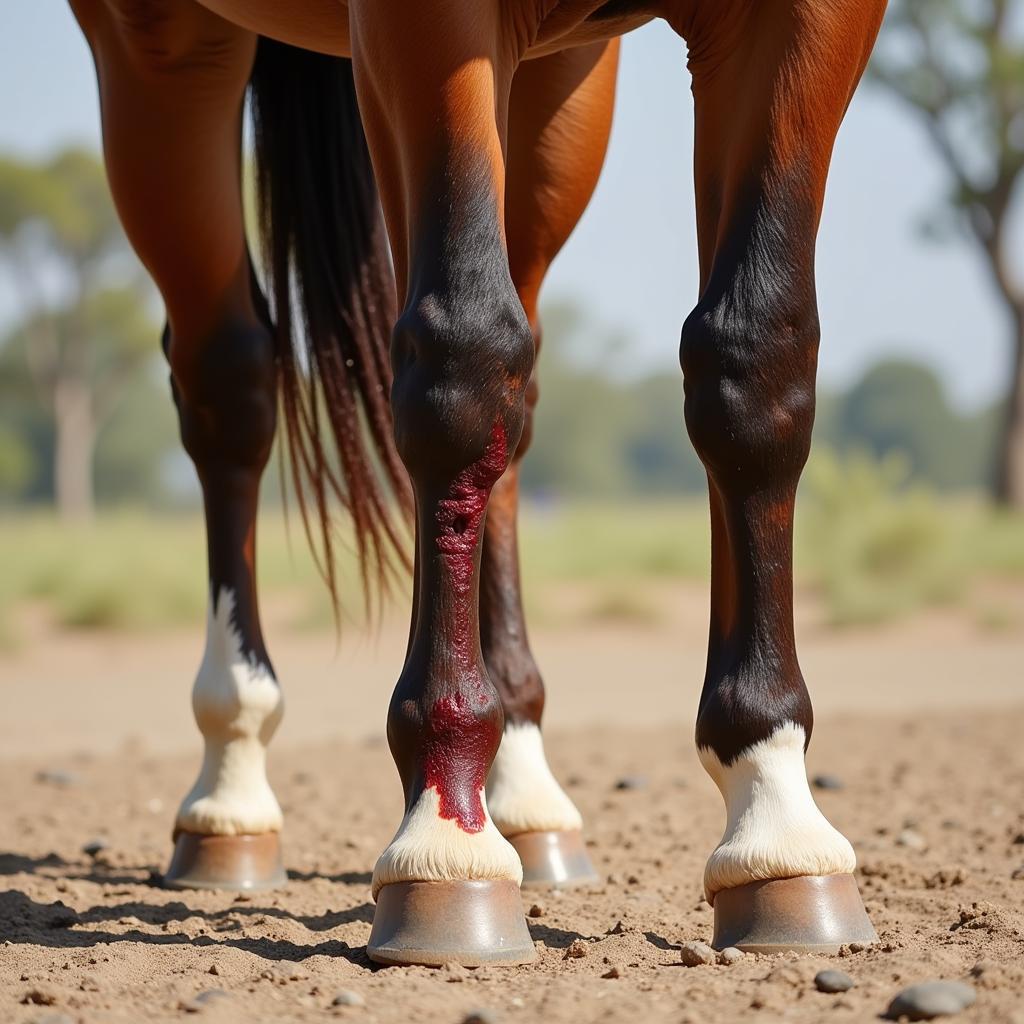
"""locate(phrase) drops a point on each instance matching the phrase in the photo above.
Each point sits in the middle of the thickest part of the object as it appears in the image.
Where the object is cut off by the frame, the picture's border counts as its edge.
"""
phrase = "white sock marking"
(429, 848)
(237, 705)
(773, 826)
(522, 794)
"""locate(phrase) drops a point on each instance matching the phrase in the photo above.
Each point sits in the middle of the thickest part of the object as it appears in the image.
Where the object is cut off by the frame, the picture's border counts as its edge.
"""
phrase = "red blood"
(460, 517)
(457, 752)
(462, 731)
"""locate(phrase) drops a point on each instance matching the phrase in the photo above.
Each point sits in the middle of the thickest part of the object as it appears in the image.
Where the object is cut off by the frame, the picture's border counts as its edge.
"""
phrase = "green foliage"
(901, 408)
(872, 544)
(615, 541)
(958, 66)
(876, 545)
(599, 435)
(84, 326)
(16, 464)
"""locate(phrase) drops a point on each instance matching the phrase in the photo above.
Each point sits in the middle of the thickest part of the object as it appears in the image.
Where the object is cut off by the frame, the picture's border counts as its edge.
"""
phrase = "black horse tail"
(332, 296)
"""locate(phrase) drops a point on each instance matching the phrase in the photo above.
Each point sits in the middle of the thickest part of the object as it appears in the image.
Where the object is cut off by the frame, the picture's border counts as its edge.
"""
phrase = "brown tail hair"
(332, 296)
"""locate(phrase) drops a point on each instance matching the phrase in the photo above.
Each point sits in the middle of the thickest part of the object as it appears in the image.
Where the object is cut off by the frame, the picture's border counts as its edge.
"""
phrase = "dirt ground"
(922, 722)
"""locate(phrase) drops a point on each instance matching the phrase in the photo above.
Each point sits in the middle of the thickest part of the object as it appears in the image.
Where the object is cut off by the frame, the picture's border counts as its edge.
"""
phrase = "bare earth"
(923, 722)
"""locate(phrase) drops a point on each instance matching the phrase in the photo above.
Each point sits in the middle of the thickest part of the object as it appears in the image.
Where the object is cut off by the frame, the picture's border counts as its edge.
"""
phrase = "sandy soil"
(922, 722)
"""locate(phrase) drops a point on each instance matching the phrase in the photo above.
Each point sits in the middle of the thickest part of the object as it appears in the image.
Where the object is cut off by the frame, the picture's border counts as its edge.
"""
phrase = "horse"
(419, 167)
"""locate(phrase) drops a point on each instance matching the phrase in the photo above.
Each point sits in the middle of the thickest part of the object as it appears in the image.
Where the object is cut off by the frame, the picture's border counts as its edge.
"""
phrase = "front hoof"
(556, 859)
(473, 923)
(243, 863)
(810, 914)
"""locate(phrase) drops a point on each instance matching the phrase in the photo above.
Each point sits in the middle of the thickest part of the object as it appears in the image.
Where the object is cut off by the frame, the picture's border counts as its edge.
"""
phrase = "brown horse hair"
(332, 295)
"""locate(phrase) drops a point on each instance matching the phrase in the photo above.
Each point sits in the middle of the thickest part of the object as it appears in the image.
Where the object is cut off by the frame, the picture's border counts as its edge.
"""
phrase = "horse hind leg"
(559, 120)
(782, 876)
(172, 79)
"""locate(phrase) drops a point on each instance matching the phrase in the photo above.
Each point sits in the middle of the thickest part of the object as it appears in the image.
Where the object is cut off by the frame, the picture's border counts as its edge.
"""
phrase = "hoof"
(472, 923)
(814, 914)
(246, 863)
(554, 859)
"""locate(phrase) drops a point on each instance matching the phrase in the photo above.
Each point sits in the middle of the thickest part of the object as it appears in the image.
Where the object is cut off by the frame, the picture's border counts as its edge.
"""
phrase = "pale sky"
(632, 262)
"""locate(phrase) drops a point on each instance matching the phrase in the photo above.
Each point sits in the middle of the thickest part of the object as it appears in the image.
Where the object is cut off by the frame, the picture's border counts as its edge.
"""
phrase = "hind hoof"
(473, 923)
(557, 859)
(816, 914)
(242, 863)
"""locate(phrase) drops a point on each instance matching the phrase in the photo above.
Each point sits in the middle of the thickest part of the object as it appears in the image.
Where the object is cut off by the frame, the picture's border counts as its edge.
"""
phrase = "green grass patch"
(873, 545)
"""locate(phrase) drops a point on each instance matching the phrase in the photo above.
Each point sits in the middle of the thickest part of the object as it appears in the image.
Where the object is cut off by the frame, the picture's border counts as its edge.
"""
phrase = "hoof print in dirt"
(931, 999)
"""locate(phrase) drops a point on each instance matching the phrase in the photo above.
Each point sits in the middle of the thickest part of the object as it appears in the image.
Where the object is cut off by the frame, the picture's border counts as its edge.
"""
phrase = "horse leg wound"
(559, 121)
(172, 80)
(781, 877)
(447, 886)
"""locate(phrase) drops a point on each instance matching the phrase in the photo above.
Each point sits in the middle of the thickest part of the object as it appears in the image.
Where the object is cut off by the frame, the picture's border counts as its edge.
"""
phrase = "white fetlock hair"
(238, 706)
(773, 826)
(429, 848)
(522, 793)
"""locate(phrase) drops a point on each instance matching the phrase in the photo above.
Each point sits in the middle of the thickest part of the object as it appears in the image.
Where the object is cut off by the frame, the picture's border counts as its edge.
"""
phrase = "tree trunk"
(76, 438)
(1010, 467)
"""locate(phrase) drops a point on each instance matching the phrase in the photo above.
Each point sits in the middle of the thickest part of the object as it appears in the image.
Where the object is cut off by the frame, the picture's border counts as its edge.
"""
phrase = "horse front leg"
(172, 79)
(433, 90)
(769, 98)
(559, 120)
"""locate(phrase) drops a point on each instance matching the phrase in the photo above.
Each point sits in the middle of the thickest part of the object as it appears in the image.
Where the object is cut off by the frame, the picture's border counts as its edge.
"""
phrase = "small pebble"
(455, 971)
(346, 997)
(56, 777)
(214, 969)
(694, 954)
(1018, 839)
(612, 972)
(94, 847)
(912, 840)
(931, 999)
(1018, 874)
(730, 955)
(576, 951)
(618, 929)
(480, 1017)
(631, 782)
(826, 781)
(38, 997)
(536, 910)
(833, 981)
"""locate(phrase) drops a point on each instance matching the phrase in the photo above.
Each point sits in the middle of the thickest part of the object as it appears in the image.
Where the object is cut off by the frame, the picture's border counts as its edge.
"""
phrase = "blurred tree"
(597, 434)
(959, 65)
(17, 463)
(901, 408)
(83, 330)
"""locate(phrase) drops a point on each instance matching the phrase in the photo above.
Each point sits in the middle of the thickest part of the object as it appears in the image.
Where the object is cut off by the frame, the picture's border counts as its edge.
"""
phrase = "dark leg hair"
(172, 80)
(559, 121)
(435, 117)
(768, 106)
